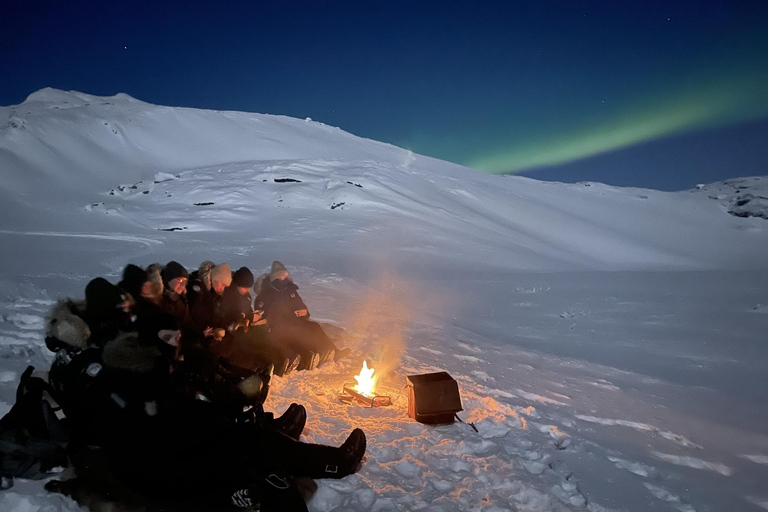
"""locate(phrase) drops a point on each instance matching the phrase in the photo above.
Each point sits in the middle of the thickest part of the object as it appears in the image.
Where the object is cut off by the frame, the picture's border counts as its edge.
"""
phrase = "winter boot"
(320, 461)
(353, 451)
(282, 366)
(327, 357)
(292, 422)
(294, 364)
(309, 360)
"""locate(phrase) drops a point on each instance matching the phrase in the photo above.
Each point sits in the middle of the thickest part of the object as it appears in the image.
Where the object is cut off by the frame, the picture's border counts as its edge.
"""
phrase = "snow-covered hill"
(92, 156)
(609, 342)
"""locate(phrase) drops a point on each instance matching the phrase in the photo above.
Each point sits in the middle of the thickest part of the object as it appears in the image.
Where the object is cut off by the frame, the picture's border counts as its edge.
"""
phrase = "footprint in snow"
(482, 376)
(407, 469)
(638, 468)
(469, 348)
(664, 495)
(757, 459)
(561, 440)
(693, 462)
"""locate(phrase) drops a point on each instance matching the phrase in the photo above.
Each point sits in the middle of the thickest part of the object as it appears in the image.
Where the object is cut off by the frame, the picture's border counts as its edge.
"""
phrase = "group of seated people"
(163, 376)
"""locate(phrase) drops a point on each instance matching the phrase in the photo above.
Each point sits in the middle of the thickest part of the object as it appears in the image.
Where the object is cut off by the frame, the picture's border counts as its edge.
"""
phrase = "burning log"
(362, 392)
(369, 401)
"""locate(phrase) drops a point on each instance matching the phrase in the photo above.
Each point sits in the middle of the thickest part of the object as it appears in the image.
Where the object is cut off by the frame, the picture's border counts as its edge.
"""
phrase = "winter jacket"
(195, 288)
(206, 311)
(280, 300)
(235, 307)
(176, 306)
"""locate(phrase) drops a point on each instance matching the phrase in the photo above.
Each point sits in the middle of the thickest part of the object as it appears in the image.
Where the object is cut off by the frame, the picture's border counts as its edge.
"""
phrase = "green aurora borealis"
(733, 100)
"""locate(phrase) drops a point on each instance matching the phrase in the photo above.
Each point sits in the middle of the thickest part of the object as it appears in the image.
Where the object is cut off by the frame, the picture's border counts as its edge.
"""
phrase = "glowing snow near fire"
(365, 380)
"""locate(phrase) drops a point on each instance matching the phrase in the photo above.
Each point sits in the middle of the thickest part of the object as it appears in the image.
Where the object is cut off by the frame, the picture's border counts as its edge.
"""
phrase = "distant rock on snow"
(741, 197)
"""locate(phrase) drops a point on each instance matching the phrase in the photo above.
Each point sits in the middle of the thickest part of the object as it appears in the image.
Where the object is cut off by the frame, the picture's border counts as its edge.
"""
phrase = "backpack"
(32, 437)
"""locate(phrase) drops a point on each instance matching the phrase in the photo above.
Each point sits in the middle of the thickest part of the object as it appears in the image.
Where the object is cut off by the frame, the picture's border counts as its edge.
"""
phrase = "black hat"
(173, 270)
(101, 295)
(133, 279)
(242, 278)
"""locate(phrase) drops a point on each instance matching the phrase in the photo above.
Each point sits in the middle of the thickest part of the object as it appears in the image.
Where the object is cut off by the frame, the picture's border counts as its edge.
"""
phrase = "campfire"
(363, 392)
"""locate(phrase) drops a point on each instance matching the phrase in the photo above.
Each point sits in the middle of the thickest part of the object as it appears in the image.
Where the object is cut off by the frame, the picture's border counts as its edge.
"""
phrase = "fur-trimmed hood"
(65, 323)
(258, 285)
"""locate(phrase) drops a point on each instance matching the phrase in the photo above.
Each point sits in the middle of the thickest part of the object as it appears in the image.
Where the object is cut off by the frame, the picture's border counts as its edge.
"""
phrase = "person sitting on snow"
(248, 336)
(145, 293)
(174, 301)
(199, 282)
(206, 311)
(288, 319)
(212, 335)
(161, 445)
(107, 310)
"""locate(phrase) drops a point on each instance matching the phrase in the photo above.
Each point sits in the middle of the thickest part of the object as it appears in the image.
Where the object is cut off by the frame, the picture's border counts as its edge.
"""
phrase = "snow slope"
(609, 342)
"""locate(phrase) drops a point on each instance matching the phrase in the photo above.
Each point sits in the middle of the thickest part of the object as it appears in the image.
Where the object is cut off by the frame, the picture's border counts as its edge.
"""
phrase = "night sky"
(661, 94)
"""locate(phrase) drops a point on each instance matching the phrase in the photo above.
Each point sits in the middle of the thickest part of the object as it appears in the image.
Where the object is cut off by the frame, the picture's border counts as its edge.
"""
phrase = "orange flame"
(365, 380)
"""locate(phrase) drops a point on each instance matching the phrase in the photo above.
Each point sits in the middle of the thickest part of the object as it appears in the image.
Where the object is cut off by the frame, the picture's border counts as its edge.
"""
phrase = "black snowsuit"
(248, 347)
(163, 445)
(280, 300)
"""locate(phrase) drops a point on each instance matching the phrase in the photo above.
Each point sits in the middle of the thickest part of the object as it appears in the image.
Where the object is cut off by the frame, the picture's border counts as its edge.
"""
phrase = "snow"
(608, 342)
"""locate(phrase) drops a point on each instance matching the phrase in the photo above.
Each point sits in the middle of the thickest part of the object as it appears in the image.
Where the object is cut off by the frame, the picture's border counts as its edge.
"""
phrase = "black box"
(433, 398)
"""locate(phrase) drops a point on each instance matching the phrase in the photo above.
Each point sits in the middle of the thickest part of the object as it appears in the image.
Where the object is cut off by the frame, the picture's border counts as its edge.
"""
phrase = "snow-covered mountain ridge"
(88, 153)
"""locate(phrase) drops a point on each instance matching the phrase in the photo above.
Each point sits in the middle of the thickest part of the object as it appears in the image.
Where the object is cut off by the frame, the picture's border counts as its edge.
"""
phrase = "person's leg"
(275, 450)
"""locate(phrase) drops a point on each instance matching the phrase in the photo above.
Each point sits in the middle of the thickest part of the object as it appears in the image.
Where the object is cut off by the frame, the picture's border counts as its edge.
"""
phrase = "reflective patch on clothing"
(118, 400)
(93, 369)
(277, 482)
(242, 499)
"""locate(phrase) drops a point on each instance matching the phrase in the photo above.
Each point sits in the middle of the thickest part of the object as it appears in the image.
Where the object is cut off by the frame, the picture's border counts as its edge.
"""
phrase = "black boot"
(282, 366)
(309, 360)
(292, 422)
(294, 363)
(327, 357)
(353, 451)
(328, 462)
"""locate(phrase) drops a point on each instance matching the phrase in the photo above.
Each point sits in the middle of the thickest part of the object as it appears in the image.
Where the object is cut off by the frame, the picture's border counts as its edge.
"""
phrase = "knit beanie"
(133, 279)
(242, 278)
(101, 295)
(277, 268)
(222, 273)
(173, 270)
